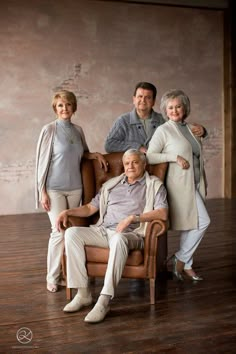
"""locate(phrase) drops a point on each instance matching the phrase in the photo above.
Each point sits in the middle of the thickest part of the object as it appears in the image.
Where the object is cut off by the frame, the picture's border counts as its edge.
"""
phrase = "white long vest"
(166, 144)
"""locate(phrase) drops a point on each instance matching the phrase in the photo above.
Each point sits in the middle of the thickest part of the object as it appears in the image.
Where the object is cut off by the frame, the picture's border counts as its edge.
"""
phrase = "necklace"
(68, 133)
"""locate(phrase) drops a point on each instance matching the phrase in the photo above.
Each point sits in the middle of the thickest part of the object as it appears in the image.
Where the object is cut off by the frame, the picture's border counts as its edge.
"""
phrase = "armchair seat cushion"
(100, 255)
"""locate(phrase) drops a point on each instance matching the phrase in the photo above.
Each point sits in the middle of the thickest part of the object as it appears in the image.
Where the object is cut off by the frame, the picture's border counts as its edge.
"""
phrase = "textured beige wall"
(100, 50)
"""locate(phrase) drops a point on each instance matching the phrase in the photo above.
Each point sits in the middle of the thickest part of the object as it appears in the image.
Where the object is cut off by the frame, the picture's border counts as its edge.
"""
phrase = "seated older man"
(125, 203)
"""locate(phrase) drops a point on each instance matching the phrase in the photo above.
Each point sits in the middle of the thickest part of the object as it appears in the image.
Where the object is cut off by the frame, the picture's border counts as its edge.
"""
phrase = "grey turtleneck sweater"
(64, 171)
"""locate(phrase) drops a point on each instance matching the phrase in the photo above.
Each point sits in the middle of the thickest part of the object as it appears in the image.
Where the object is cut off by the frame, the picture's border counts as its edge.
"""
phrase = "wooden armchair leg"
(152, 283)
(68, 293)
(92, 280)
(64, 274)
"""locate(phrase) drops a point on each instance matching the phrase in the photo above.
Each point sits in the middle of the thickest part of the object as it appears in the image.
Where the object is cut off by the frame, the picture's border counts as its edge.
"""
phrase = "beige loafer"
(97, 314)
(78, 303)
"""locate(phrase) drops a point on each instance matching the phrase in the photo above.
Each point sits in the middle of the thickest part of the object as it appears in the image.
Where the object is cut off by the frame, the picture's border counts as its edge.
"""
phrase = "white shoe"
(53, 288)
(97, 314)
(78, 303)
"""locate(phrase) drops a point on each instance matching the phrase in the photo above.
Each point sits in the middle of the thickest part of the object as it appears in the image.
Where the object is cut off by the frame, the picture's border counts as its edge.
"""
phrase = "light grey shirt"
(128, 199)
(147, 124)
(64, 170)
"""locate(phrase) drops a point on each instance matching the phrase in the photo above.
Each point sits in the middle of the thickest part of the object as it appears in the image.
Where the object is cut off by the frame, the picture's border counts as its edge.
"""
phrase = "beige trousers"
(119, 243)
(60, 200)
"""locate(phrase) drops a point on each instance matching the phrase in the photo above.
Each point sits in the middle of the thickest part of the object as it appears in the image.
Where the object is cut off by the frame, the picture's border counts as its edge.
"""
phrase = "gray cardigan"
(128, 132)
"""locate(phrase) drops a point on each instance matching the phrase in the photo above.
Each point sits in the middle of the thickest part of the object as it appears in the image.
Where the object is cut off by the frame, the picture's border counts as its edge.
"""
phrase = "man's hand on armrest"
(82, 211)
(161, 213)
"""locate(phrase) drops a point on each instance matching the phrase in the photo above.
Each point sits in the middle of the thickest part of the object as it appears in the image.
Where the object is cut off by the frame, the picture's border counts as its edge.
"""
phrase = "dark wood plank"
(187, 318)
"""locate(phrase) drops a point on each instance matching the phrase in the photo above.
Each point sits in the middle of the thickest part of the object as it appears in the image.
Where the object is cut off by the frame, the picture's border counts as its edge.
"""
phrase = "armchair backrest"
(93, 176)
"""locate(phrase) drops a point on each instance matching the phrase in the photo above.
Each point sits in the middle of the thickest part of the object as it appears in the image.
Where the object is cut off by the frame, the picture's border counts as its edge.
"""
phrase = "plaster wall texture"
(100, 50)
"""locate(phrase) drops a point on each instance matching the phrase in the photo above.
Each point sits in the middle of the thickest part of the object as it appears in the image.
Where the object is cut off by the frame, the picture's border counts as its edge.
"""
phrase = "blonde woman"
(61, 146)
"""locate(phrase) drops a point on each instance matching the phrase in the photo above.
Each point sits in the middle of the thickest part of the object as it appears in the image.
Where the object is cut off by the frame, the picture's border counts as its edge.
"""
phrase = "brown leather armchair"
(141, 264)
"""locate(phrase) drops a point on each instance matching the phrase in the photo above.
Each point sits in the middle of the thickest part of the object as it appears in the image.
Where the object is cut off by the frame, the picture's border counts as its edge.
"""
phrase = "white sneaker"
(78, 303)
(97, 314)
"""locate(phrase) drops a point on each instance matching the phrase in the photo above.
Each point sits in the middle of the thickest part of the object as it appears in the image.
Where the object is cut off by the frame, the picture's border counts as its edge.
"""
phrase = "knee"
(68, 236)
(73, 237)
(207, 222)
(119, 240)
(56, 236)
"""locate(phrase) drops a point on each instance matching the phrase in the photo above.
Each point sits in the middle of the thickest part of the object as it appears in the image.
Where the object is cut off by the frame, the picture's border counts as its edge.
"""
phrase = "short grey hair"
(141, 155)
(169, 95)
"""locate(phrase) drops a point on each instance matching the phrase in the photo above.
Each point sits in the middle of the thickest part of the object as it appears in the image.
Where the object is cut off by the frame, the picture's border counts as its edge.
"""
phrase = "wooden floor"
(187, 318)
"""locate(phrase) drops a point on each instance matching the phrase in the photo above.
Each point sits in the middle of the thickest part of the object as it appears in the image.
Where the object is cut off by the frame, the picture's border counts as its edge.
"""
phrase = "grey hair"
(141, 155)
(169, 95)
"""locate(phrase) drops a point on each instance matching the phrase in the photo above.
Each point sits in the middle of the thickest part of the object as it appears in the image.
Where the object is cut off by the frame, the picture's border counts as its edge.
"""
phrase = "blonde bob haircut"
(169, 95)
(66, 95)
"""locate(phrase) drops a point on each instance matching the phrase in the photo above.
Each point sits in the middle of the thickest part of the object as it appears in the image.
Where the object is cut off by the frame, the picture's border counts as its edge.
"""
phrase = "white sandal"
(52, 288)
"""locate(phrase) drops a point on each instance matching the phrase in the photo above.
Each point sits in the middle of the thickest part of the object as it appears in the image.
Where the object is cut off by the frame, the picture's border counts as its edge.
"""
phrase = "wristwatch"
(137, 216)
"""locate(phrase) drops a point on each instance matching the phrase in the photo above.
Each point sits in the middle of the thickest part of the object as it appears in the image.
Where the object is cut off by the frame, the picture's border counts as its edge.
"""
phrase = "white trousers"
(119, 243)
(60, 200)
(190, 239)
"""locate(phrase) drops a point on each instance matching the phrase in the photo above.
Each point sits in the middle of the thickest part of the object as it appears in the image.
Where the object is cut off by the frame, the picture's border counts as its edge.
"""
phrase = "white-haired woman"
(174, 142)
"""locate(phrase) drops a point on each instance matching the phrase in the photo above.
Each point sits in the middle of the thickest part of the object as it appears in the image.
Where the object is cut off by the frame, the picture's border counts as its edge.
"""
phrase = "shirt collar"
(140, 119)
(140, 180)
(182, 123)
(64, 123)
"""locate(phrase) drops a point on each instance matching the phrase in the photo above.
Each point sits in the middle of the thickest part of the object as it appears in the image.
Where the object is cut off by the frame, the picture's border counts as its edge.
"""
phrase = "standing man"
(135, 129)
(125, 203)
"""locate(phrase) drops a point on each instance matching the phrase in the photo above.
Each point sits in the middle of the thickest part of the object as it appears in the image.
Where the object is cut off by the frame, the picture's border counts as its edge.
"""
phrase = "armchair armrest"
(78, 221)
(158, 227)
(155, 229)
